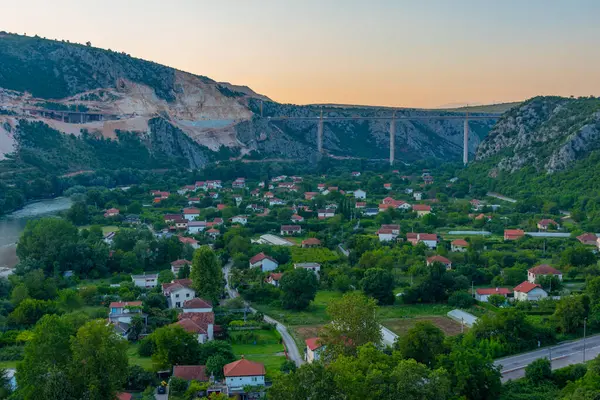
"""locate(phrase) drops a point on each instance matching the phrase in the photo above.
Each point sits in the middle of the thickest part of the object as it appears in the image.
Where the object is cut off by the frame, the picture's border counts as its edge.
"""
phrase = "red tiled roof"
(121, 304)
(313, 343)
(421, 207)
(490, 291)
(196, 322)
(191, 211)
(514, 232)
(383, 231)
(587, 237)
(546, 222)
(428, 236)
(391, 226)
(197, 303)
(290, 228)
(244, 367)
(124, 396)
(438, 258)
(460, 243)
(544, 269)
(181, 262)
(526, 287)
(276, 276)
(187, 240)
(191, 372)
(176, 284)
(259, 257)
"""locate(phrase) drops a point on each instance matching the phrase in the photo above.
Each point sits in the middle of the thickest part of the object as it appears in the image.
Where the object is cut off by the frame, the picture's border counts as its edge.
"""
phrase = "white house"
(178, 264)
(360, 194)
(178, 291)
(240, 219)
(459, 245)
(201, 324)
(429, 239)
(418, 196)
(145, 280)
(314, 267)
(326, 213)
(313, 350)
(191, 213)
(197, 305)
(542, 270)
(241, 373)
(121, 313)
(386, 235)
(194, 227)
(263, 261)
(274, 278)
(439, 259)
(528, 291)
(483, 294)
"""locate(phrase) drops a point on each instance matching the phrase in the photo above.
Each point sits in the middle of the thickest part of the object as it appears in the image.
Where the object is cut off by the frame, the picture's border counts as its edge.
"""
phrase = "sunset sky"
(424, 53)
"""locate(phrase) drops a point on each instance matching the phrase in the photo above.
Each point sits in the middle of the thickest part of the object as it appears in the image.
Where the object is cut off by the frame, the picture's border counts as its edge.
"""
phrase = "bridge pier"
(392, 139)
(320, 134)
(466, 141)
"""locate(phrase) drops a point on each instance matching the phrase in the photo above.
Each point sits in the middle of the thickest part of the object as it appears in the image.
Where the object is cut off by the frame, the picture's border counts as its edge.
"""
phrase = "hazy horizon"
(383, 53)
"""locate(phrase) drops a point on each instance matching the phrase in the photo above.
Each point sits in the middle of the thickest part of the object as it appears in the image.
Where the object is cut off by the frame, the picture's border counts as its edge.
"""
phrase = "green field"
(268, 351)
(412, 310)
(135, 359)
(8, 364)
(313, 315)
(105, 229)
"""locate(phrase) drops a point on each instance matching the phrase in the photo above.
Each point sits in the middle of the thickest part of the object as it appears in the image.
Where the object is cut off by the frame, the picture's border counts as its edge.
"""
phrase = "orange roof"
(460, 243)
(439, 259)
(313, 343)
(181, 262)
(191, 372)
(197, 303)
(124, 396)
(544, 269)
(276, 276)
(490, 291)
(243, 367)
(526, 287)
(421, 207)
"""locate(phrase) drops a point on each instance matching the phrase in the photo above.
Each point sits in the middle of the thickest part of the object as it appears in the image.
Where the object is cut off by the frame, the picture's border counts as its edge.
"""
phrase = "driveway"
(290, 344)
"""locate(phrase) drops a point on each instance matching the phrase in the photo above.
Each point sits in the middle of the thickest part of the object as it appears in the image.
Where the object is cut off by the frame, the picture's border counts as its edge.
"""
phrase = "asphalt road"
(563, 355)
(290, 345)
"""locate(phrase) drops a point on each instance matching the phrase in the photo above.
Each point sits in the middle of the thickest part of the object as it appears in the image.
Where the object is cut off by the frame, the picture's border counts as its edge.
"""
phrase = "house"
(190, 372)
(181, 224)
(263, 261)
(124, 396)
(371, 212)
(483, 294)
(185, 189)
(171, 218)
(187, 240)
(418, 196)
(429, 239)
(242, 373)
(111, 212)
(459, 245)
(178, 264)
(214, 184)
(145, 281)
(213, 233)
(290, 230)
(221, 206)
(201, 324)
(387, 186)
(513, 234)
(240, 219)
(217, 221)
(310, 195)
(269, 195)
(311, 242)
(355, 174)
(276, 202)
(194, 227)
(255, 193)
(325, 213)
(178, 291)
(542, 270)
(386, 235)
(191, 213)
(197, 305)
(314, 267)
(313, 350)
(274, 279)
(213, 195)
(321, 187)
(440, 259)
(588, 239)
(360, 204)
(239, 183)
(422, 209)
(333, 189)
(360, 194)
(545, 224)
(121, 313)
(297, 218)
(528, 291)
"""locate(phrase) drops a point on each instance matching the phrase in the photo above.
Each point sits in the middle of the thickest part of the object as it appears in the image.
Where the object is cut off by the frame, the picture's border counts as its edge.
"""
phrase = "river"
(13, 224)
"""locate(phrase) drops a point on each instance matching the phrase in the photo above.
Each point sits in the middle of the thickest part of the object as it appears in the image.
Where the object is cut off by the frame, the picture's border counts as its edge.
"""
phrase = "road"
(288, 340)
(501, 197)
(564, 354)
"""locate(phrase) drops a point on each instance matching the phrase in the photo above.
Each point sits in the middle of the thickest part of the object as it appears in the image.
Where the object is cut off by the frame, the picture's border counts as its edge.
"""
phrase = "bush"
(243, 337)
(11, 353)
(571, 373)
(177, 385)
(138, 378)
(146, 347)
(539, 371)
(461, 300)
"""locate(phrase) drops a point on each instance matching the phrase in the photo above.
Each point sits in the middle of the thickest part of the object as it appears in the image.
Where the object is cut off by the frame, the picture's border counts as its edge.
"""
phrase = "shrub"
(138, 378)
(11, 353)
(146, 347)
(461, 300)
(177, 385)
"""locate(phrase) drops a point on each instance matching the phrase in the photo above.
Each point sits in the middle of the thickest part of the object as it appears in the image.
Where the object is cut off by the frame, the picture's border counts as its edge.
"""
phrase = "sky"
(420, 53)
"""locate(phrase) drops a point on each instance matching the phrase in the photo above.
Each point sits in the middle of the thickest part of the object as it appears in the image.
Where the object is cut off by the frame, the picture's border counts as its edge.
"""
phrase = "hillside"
(76, 88)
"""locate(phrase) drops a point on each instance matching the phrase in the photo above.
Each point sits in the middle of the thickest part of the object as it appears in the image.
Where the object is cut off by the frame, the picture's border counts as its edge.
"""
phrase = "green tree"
(569, 314)
(136, 328)
(30, 311)
(539, 371)
(78, 214)
(461, 300)
(496, 300)
(353, 323)
(166, 276)
(299, 287)
(172, 346)
(69, 300)
(99, 366)
(213, 348)
(424, 342)
(215, 364)
(207, 276)
(379, 284)
(310, 381)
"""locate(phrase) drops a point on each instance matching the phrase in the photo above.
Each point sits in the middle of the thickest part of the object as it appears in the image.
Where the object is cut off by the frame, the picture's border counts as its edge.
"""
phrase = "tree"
(569, 314)
(539, 371)
(5, 385)
(30, 311)
(99, 364)
(424, 342)
(379, 284)
(173, 345)
(69, 300)
(184, 272)
(496, 300)
(207, 276)
(215, 364)
(310, 381)
(213, 348)
(288, 366)
(136, 328)
(138, 378)
(165, 276)
(299, 287)
(461, 300)
(78, 214)
(353, 323)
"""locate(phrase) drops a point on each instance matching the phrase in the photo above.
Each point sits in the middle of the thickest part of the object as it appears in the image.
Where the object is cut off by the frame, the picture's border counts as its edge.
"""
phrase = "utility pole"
(472, 289)
(584, 331)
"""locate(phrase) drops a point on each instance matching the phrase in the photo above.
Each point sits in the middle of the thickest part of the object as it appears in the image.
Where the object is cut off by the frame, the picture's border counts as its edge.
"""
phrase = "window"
(177, 296)
(254, 379)
(187, 295)
(178, 304)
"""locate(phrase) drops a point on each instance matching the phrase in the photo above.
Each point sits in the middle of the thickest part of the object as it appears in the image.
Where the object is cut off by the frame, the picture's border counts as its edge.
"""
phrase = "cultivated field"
(401, 326)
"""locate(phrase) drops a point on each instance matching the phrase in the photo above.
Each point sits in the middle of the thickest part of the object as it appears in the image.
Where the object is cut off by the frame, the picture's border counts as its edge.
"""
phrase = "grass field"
(135, 359)
(271, 354)
(313, 315)
(105, 229)
(402, 325)
(412, 310)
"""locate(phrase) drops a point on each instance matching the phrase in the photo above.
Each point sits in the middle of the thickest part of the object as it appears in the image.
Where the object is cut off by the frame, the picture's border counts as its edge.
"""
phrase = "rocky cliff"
(547, 133)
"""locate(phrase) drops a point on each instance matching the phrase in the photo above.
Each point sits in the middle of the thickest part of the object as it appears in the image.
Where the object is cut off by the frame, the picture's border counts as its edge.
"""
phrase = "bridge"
(321, 119)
